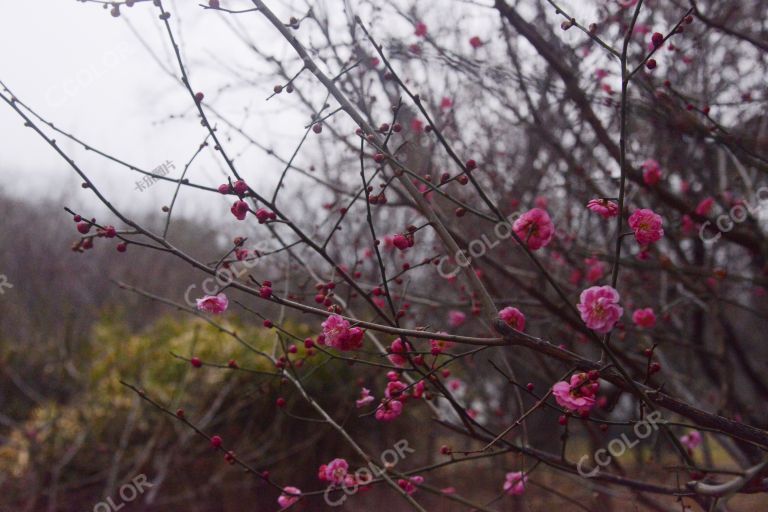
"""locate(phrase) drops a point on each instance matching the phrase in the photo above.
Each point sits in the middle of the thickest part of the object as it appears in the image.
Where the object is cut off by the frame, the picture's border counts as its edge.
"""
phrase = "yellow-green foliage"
(99, 409)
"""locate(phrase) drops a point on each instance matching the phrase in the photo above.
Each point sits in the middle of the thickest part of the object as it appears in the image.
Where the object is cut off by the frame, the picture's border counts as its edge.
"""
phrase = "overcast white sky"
(85, 71)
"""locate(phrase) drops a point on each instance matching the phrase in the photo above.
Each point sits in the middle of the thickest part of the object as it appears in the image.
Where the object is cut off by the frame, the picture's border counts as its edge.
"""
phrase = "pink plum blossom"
(535, 228)
(365, 398)
(644, 318)
(705, 206)
(513, 318)
(239, 209)
(603, 207)
(289, 497)
(389, 409)
(396, 351)
(335, 471)
(647, 226)
(691, 440)
(651, 172)
(456, 318)
(514, 483)
(215, 304)
(576, 395)
(338, 334)
(599, 308)
(410, 486)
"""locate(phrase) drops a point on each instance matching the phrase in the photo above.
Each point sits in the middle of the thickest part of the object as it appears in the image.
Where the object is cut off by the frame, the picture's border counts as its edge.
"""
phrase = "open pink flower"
(535, 227)
(335, 471)
(647, 226)
(513, 318)
(599, 308)
(365, 398)
(338, 334)
(651, 172)
(290, 496)
(514, 483)
(389, 409)
(456, 318)
(215, 304)
(603, 207)
(644, 318)
(576, 395)
(691, 440)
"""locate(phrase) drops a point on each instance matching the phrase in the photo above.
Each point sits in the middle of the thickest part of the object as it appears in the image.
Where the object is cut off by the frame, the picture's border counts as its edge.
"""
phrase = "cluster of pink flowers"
(578, 394)
(599, 308)
(647, 226)
(410, 485)
(535, 228)
(338, 334)
(215, 304)
(603, 207)
(514, 483)
(513, 318)
(644, 318)
(396, 351)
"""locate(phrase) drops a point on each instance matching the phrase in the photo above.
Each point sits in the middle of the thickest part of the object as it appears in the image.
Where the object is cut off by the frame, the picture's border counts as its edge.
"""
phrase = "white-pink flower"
(514, 483)
(215, 304)
(691, 440)
(289, 496)
(456, 318)
(599, 308)
(365, 398)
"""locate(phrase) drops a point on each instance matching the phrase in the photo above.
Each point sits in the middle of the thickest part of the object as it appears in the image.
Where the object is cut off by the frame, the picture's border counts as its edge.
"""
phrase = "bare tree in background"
(533, 243)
